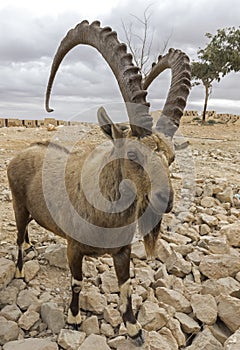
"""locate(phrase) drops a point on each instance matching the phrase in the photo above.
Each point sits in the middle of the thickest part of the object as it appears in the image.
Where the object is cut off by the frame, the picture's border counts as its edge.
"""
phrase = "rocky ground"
(186, 298)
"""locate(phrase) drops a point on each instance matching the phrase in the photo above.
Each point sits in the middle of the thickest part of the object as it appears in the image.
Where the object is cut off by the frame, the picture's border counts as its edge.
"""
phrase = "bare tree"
(140, 45)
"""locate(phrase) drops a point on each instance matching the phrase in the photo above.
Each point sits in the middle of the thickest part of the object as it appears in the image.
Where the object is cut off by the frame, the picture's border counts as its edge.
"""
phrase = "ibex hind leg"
(22, 219)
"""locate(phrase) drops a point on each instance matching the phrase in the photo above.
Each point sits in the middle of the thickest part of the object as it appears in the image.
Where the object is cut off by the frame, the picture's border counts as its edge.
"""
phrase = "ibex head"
(143, 153)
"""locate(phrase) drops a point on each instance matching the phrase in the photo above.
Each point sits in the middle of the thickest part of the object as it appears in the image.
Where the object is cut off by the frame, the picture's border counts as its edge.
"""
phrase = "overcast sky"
(31, 31)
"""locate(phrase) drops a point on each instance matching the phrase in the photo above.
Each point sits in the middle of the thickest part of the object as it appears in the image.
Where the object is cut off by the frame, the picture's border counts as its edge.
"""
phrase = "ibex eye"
(132, 155)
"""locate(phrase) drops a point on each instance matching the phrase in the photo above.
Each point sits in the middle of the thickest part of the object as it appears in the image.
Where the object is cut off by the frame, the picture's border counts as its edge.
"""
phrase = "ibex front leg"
(122, 266)
(75, 259)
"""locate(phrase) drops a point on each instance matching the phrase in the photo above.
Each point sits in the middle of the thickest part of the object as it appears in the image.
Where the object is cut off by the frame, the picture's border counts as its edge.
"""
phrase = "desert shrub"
(212, 122)
(196, 119)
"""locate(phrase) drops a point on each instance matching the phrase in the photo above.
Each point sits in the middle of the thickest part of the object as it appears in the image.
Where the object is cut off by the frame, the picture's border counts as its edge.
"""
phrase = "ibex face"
(146, 164)
(141, 185)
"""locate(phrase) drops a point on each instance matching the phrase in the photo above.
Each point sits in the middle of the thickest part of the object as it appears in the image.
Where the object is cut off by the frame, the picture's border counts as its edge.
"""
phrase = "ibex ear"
(111, 130)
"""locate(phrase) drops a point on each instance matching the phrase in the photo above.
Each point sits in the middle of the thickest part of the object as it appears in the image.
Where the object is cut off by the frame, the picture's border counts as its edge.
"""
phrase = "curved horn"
(179, 90)
(115, 53)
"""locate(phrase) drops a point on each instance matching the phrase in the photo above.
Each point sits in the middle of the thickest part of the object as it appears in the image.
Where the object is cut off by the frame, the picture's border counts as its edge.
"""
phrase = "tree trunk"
(205, 103)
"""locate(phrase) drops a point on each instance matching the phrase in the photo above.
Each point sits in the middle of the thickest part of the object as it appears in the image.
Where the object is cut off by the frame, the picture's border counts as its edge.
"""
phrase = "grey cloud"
(24, 37)
(84, 81)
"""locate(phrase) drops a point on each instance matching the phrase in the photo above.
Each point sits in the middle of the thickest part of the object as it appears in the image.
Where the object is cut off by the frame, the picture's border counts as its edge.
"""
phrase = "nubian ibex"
(97, 198)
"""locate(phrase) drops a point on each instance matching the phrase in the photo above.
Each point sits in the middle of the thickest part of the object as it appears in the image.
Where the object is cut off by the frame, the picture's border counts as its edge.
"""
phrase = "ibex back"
(104, 193)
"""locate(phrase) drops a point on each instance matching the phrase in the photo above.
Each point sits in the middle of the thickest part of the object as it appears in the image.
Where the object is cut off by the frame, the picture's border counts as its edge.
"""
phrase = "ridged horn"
(179, 89)
(115, 53)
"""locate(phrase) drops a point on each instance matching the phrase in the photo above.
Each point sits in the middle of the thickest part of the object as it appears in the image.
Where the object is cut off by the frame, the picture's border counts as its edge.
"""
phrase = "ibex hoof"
(74, 321)
(138, 339)
(19, 274)
(75, 326)
(29, 248)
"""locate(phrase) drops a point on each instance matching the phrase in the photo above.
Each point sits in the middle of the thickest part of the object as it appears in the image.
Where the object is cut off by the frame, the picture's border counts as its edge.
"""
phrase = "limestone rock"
(138, 250)
(116, 342)
(56, 254)
(163, 250)
(109, 282)
(161, 273)
(19, 284)
(208, 202)
(160, 342)
(51, 127)
(188, 324)
(152, 317)
(92, 300)
(6, 195)
(175, 328)
(128, 344)
(52, 315)
(89, 269)
(208, 190)
(145, 275)
(8, 330)
(225, 285)
(11, 312)
(90, 325)
(107, 330)
(137, 301)
(226, 195)
(232, 232)
(8, 296)
(112, 316)
(219, 265)
(169, 338)
(220, 331)
(7, 271)
(70, 340)
(184, 250)
(204, 308)
(94, 342)
(176, 238)
(173, 298)
(31, 268)
(26, 298)
(28, 319)
(31, 344)
(228, 285)
(229, 311)
(204, 229)
(216, 245)
(153, 341)
(177, 265)
(210, 220)
(205, 340)
(195, 257)
(185, 216)
(233, 342)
